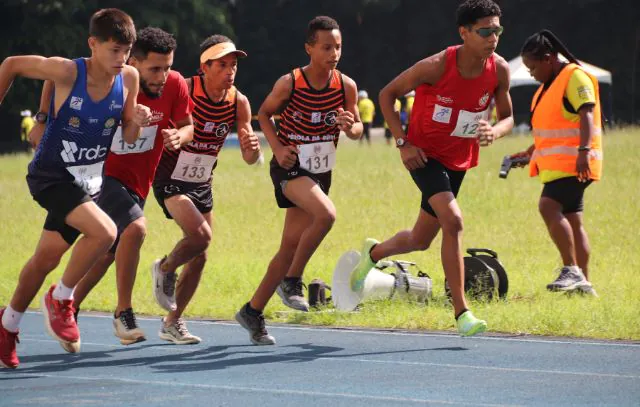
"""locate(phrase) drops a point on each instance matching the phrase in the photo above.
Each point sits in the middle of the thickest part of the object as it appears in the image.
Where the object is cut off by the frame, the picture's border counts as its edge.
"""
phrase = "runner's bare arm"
(62, 71)
(185, 130)
(504, 109)
(249, 143)
(36, 133)
(428, 70)
(134, 115)
(285, 155)
(349, 119)
(273, 104)
(174, 138)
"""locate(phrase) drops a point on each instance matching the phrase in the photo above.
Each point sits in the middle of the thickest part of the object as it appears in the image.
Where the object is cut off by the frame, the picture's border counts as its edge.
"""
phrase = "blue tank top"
(76, 141)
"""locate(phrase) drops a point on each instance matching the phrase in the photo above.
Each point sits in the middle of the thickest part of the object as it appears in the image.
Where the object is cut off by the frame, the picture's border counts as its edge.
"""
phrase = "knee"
(452, 225)
(136, 231)
(108, 234)
(326, 218)
(201, 238)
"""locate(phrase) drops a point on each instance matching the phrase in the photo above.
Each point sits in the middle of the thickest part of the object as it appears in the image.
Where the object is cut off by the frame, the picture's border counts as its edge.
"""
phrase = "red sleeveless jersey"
(444, 116)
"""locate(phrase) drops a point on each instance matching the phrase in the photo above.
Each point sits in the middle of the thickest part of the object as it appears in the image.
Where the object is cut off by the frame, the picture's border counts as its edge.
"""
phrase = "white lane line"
(349, 330)
(267, 390)
(346, 358)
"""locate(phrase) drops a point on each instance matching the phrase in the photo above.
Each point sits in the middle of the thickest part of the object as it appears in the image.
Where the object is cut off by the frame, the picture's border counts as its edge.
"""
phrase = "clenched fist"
(345, 119)
(248, 140)
(486, 133)
(171, 139)
(142, 115)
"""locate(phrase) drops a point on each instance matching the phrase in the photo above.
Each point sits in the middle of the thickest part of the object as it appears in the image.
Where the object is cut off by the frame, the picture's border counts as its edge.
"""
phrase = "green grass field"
(375, 197)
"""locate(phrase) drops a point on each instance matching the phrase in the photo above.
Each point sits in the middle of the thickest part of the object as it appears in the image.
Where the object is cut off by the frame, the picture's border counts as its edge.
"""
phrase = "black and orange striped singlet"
(310, 119)
(212, 121)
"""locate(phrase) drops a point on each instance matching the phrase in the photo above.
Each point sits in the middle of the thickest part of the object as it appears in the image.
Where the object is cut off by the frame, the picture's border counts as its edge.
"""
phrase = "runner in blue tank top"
(92, 96)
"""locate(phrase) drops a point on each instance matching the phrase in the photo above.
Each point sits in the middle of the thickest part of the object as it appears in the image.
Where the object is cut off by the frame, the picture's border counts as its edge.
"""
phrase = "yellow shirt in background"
(396, 108)
(409, 105)
(26, 126)
(367, 110)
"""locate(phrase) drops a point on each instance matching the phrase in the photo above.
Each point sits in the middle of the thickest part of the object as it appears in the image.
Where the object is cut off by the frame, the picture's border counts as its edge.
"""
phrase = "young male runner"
(130, 169)
(448, 124)
(92, 97)
(183, 180)
(318, 103)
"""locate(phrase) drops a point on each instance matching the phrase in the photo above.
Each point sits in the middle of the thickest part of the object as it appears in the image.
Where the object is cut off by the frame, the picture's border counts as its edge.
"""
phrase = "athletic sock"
(461, 312)
(11, 319)
(62, 292)
(251, 311)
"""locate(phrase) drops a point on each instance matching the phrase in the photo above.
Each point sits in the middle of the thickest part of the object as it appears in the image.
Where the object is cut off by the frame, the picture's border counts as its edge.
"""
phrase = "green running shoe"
(468, 325)
(359, 273)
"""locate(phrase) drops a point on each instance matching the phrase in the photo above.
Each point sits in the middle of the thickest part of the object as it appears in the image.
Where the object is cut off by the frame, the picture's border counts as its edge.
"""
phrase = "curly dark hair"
(470, 11)
(320, 23)
(152, 39)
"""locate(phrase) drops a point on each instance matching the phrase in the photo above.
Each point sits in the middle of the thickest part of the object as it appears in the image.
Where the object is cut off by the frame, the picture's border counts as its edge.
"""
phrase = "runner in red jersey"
(317, 103)
(130, 168)
(182, 185)
(448, 124)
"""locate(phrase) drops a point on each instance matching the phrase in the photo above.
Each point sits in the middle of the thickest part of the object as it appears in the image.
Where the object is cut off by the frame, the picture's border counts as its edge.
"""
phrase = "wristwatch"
(400, 142)
(41, 117)
(584, 148)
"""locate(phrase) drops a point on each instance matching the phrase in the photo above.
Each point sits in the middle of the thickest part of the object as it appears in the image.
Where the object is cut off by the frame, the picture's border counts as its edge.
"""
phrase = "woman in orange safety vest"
(567, 151)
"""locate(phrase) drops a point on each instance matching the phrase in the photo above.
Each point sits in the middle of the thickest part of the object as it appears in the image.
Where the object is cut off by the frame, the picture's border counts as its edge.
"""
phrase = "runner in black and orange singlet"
(319, 102)
(449, 121)
(183, 179)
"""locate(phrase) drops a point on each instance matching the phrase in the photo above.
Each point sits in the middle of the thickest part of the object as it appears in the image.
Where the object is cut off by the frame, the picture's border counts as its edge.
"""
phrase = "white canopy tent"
(520, 74)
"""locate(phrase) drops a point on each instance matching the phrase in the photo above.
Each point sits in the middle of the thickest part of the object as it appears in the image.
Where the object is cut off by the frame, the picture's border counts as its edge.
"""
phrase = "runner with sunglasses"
(449, 121)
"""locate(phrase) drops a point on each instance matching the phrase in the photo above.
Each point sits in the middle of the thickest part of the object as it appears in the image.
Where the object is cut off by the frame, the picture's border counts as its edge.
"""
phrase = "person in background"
(25, 128)
(567, 151)
(367, 111)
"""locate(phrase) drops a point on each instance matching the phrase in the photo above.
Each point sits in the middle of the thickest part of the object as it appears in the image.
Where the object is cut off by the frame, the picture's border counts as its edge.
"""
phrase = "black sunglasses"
(487, 31)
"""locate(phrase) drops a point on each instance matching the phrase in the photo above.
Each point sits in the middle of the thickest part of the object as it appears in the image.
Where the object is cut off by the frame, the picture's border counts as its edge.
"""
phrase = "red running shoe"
(8, 340)
(58, 318)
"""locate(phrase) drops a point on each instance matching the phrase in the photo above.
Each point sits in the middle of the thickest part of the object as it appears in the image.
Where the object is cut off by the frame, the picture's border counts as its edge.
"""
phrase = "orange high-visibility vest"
(556, 138)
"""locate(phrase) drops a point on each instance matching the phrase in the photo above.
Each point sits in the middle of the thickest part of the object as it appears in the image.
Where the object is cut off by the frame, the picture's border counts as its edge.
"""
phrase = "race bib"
(145, 142)
(317, 157)
(193, 167)
(441, 114)
(467, 124)
(88, 177)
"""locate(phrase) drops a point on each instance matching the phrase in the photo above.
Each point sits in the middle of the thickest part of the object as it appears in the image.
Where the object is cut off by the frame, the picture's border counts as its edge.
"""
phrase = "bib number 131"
(317, 158)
